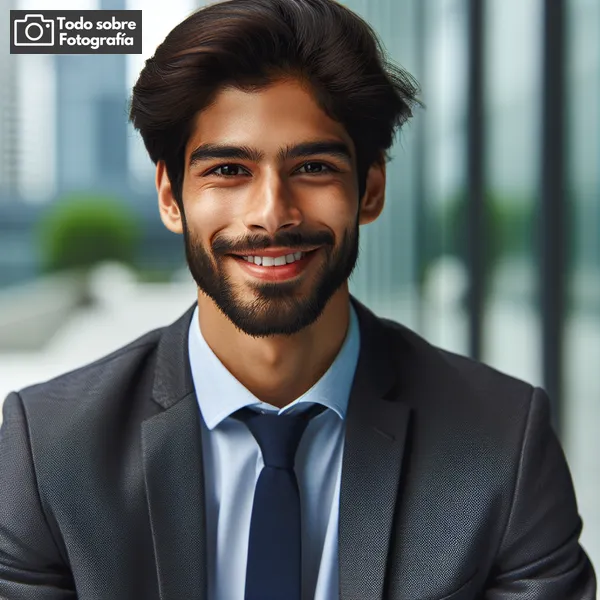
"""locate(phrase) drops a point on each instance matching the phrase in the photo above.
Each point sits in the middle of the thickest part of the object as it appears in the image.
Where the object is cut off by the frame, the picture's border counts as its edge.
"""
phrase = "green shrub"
(510, 230)
(82, 230)
(510, 227)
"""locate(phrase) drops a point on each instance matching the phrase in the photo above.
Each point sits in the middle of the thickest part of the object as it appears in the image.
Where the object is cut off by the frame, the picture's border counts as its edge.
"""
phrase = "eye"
(327, 168)
(228, 168)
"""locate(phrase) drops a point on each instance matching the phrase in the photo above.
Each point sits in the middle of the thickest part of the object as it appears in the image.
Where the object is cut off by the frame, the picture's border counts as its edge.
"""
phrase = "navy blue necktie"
(274, 567)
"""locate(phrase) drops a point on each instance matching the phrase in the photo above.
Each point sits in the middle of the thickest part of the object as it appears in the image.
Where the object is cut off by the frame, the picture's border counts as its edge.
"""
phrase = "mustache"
(296, 239)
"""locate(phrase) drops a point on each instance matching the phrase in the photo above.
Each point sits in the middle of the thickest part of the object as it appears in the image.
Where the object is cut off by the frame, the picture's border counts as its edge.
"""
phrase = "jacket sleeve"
(540, 557)
(31, 566)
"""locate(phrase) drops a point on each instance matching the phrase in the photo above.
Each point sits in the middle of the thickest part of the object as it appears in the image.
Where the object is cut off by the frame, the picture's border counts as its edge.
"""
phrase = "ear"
(170, 214)
(371, 204)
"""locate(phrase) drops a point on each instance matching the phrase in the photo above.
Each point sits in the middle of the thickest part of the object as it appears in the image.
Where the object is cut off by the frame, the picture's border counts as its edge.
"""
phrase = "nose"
(272, 207)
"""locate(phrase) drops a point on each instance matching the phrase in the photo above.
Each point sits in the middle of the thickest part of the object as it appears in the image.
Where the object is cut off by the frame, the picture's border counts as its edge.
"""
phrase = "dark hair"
(250, 44)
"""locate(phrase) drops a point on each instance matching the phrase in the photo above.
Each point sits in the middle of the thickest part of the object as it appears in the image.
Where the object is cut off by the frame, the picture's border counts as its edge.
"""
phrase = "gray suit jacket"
(454, 485)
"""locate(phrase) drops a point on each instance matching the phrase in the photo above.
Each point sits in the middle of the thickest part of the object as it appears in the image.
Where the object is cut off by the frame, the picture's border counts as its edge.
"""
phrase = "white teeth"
(269, 261)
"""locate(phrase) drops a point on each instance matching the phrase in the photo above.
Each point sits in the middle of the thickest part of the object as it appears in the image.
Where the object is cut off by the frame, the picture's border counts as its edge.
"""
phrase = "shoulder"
(114, 388)
(406, 340)
(107, 376)
(440, 378)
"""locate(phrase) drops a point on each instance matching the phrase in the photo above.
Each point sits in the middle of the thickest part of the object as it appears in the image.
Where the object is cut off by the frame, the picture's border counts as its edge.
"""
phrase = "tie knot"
(278, 435)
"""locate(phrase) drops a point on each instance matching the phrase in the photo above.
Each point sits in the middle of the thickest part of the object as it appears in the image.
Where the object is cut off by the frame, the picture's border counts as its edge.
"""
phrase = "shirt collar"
(220, 394)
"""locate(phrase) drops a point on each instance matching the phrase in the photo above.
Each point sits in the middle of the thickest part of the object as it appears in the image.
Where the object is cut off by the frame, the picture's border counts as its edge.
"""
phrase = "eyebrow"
(334, 148)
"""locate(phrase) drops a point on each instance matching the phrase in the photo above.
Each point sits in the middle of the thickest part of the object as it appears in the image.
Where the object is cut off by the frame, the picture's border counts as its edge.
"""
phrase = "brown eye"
(229, 170)
(327, 168)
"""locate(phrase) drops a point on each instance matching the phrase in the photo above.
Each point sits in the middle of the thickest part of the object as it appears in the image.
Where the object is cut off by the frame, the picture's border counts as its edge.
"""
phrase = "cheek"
(206, 216)
(341, 209)
(339, 217)
(333, 208)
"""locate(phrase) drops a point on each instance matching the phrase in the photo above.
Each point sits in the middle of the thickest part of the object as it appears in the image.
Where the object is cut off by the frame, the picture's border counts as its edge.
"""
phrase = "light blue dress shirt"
(233, 461)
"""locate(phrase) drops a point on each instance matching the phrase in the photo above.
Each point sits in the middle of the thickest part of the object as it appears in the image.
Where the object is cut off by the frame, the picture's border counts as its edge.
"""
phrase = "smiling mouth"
(273, 261)
(279, 267)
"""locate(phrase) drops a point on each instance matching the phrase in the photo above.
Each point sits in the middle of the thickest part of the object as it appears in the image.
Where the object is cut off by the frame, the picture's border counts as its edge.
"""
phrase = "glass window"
(582, 327)
(512, 334)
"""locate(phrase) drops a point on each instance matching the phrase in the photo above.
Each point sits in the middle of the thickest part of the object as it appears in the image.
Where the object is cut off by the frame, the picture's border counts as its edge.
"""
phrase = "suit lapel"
(173, 472)
(376, 426)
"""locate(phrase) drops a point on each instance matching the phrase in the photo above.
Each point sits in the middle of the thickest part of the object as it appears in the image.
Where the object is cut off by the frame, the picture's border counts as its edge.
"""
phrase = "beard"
(278, 308)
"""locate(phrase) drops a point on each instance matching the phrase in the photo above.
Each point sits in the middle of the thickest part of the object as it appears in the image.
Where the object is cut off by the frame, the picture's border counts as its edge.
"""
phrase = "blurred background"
(489, 244)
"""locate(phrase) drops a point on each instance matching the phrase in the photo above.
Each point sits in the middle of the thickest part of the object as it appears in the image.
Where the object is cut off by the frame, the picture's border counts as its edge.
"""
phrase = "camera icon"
(34, 30)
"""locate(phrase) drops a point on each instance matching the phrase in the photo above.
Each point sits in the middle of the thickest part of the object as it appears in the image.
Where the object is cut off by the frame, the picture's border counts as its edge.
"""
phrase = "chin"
(266, 317)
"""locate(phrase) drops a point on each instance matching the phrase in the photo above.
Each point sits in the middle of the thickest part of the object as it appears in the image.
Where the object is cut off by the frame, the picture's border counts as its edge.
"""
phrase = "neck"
(277, 369)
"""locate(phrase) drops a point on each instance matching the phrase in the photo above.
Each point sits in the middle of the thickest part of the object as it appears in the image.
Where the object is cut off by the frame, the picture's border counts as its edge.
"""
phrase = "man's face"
(269, 236)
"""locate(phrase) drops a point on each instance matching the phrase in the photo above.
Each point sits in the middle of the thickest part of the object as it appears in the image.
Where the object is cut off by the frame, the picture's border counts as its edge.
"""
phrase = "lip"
(281, 273)
(274, 252)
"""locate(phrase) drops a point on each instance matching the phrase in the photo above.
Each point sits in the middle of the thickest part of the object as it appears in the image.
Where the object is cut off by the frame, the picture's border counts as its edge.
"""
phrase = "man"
(279, 440)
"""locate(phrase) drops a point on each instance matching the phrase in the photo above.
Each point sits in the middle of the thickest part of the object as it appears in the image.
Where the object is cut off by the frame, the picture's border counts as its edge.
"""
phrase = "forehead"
(283, 113)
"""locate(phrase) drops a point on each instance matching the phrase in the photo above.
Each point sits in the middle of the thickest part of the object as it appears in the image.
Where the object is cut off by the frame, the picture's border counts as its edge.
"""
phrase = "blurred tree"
(84, 229)
(510, 224)
(510, 228)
